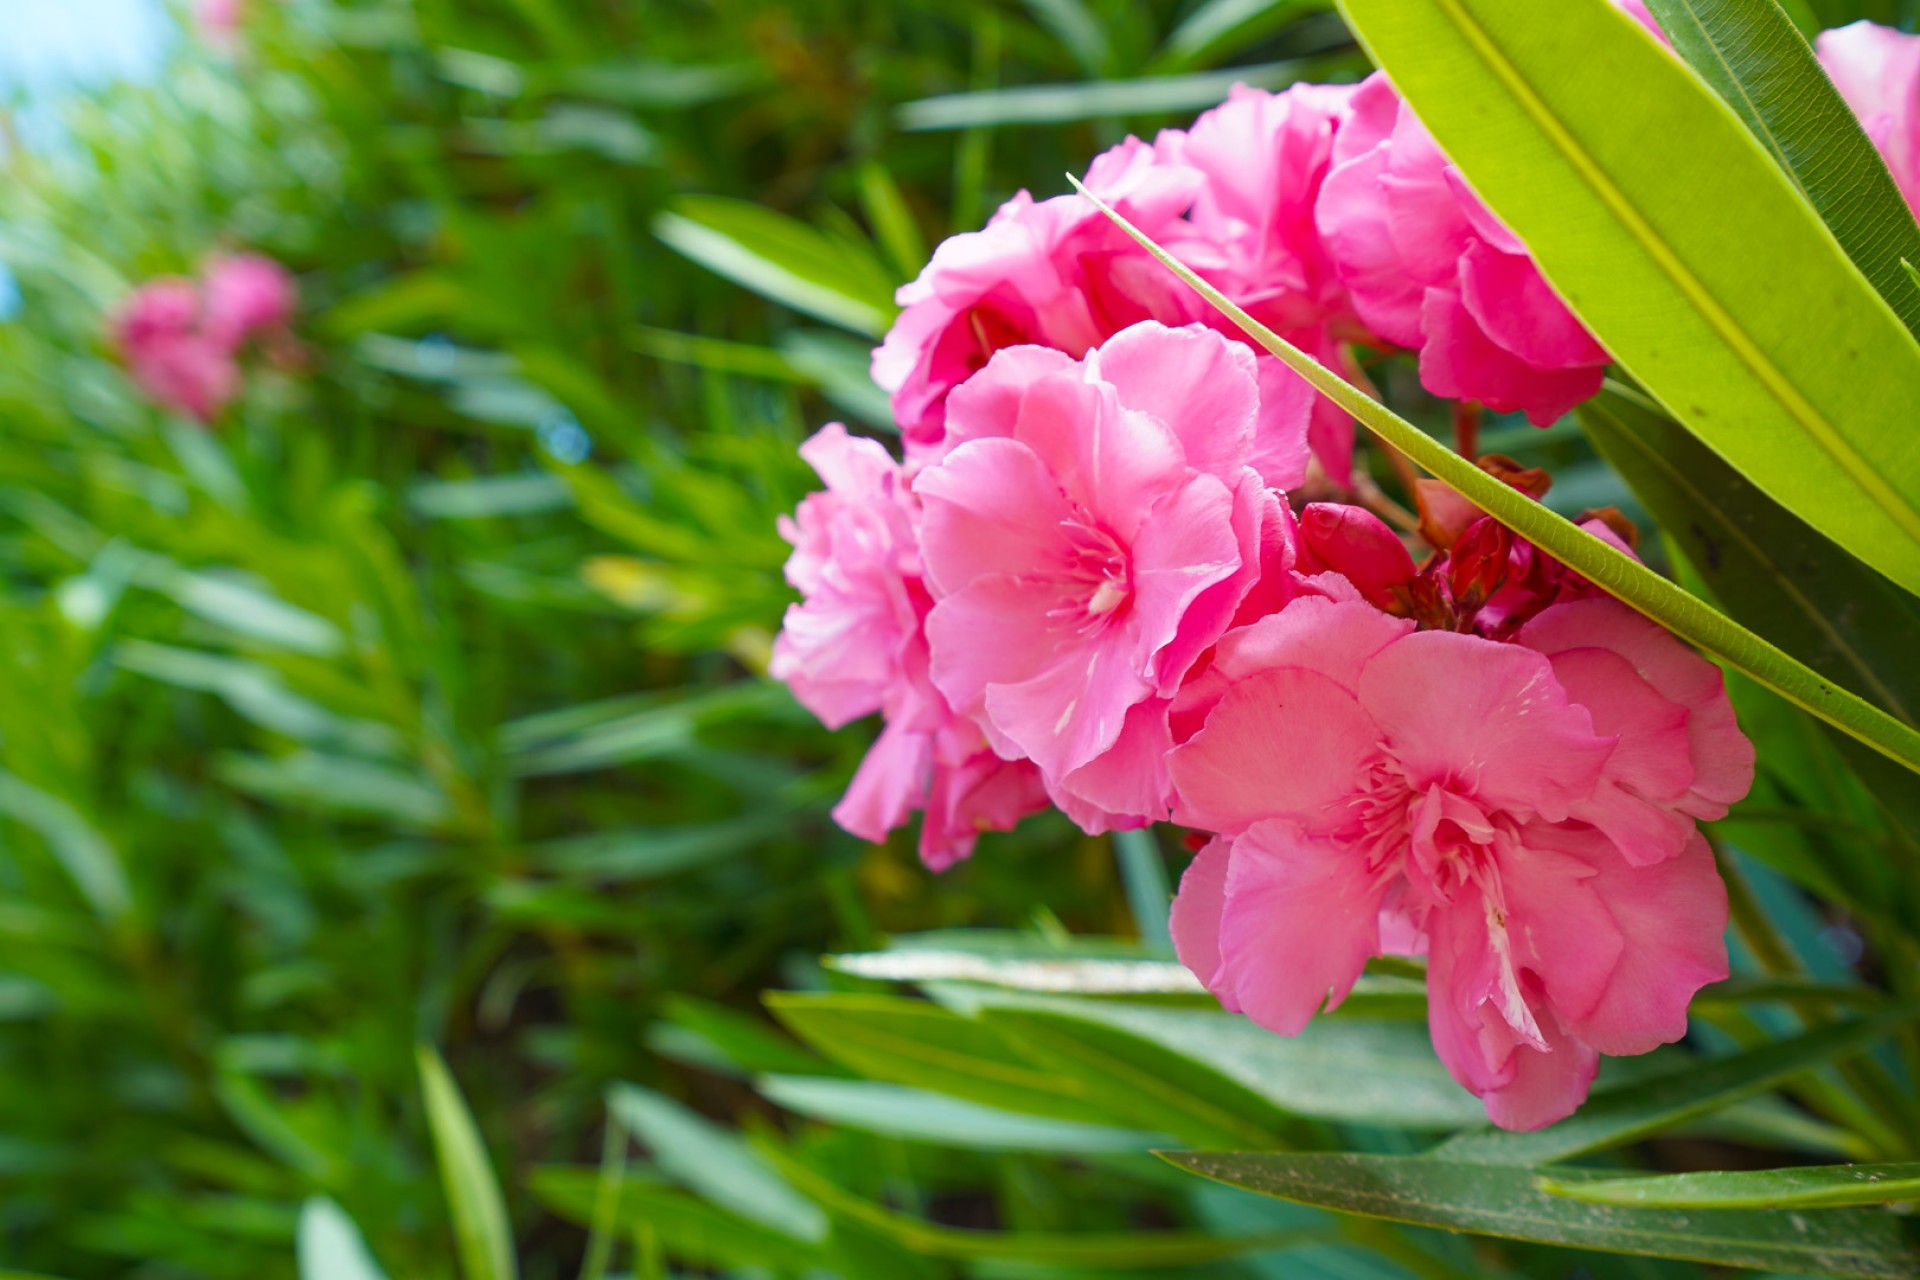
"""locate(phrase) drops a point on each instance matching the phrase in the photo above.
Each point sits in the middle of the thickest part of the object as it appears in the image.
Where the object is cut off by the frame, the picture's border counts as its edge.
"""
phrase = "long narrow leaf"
(1496, 1201)
(1635, 1110)
(1676, 238)
(1758, 62)
(473, 1195)
(1618, 574)
(1817, 1186)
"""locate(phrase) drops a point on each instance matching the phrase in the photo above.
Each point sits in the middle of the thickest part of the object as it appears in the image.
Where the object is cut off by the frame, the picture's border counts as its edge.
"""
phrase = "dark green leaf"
(1816, 1186)
(1496, 1201)
(1758, 62)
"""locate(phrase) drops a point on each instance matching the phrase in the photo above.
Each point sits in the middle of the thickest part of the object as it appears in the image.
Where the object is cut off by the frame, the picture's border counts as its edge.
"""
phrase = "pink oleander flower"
(1431, 269)
(1877, 70)
(1251, 232)
(248, 296)
(1092, 533)
(1379, 790)
(1054, 273)
(161, 337)
(856, 645)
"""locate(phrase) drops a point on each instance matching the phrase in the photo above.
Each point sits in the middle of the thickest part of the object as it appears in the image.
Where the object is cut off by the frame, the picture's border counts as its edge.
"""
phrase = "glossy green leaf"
(1120, 1250)
(1146, 1084)
(920, 1115)
(1496, 1201)
(1761, 66)
(1768, 568)
(1626, 1112)
(1649, 212)
(915, 1043)
(483, 1237)
(1356, 1070)
(1816, 1186)
(782, 259)
(330, 1247)
(1618, 574)
(1088, 966)
(714, 1162)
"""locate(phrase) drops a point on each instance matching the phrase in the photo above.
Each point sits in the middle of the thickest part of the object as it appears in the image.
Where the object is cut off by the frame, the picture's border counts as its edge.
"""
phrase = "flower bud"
(1477, 565)
(1358, 545)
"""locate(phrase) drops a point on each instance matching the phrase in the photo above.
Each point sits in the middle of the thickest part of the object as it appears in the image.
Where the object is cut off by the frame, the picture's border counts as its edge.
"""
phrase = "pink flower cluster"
(1093, 583)
(181, 339)
(1325, 211)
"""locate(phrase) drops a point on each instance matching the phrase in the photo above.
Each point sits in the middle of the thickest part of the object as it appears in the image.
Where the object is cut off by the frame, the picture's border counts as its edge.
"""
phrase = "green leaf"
(480, 1228)
(1816, 1186)
(1767, 567)
(1758, 62)
(1499, 1201)
(1120, 1249)
(920, 1115)
(686, 1226)
(330, 1247)
(1092, 99)
(1146, 1084)
(1631, 1111)
(1353, 1070)
(781, 259)
(83, 853)
(915, 1043)
(715, 1162)
(1618, 574)
(1218, 28)
(1675, 238)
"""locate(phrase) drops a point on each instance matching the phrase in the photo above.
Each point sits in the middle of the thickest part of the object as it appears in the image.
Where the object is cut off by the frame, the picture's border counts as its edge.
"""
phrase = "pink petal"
(1486, 720)
(987, 405)
(1300, 918)
(1068, 712)
(1722, 757)
(1192, 564)
(1110, 461)
(1518, 310)
(1286, 743)
(1546, 1086)
(1673, 917)
(1127, 785)
(1197, 909)
(1460, 362)
(991, 507)
(890, 782)
(1193, 381)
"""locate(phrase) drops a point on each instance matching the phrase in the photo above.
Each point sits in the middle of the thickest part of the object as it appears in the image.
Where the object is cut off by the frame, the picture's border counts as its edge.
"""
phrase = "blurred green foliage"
(421, 703)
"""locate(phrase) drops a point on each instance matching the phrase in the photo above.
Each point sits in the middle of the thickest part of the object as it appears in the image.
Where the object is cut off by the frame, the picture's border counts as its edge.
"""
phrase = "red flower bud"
(1358, 545)
(1478, 563)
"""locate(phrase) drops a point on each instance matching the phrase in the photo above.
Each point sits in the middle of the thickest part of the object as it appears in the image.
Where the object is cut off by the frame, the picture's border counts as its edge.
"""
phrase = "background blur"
(421, 701)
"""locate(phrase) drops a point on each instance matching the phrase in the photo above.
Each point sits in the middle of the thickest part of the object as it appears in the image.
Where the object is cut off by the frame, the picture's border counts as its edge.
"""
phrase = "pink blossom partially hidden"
(1251, 232)
(248, 296)
(856, 645)
(1431, 269)
(1377, 789)
(161, 337)
(1877, 70)
(1092, 535)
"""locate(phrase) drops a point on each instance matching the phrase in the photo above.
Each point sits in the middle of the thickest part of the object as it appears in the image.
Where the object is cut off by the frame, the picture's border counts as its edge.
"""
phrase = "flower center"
(1099, 575)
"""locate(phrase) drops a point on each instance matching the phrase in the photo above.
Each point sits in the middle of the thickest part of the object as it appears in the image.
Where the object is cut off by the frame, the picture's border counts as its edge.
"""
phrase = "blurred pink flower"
(1251, 232)
(1877, 70)
(248, 296)
(856, 645)
(1093, 533)
(1431, 269)
(1380, 790)
(160, 337)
